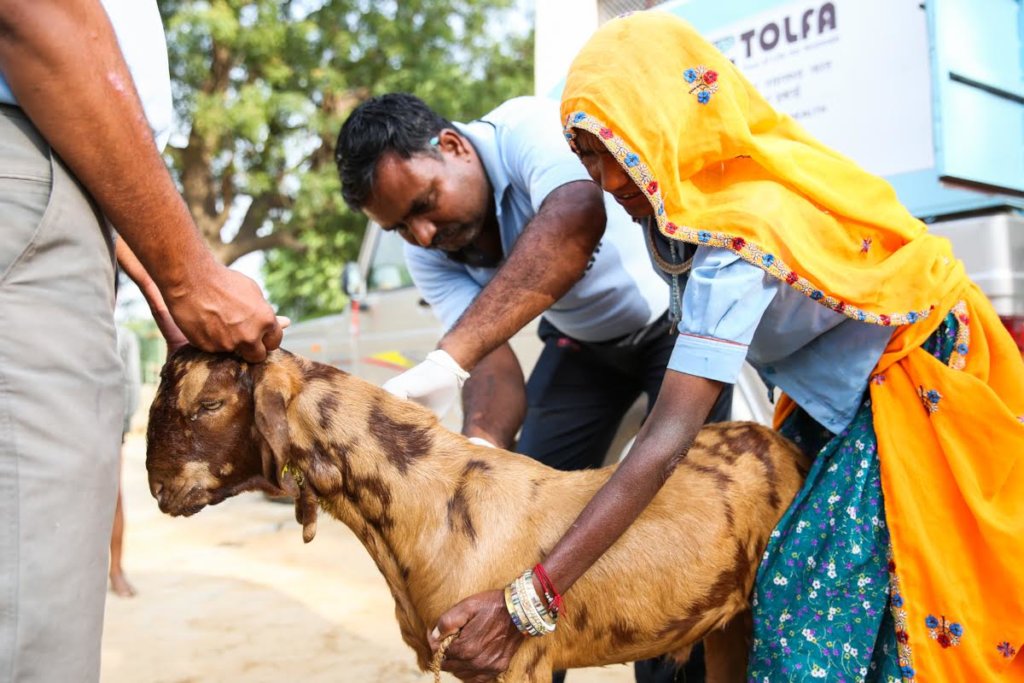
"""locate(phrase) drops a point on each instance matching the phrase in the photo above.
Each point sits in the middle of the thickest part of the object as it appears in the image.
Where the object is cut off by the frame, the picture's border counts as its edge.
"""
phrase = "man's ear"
(450, 141)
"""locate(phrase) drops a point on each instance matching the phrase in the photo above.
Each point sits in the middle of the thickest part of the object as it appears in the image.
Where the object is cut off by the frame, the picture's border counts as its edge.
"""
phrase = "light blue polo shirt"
(525, 156)
(734, 311)
(140, 34)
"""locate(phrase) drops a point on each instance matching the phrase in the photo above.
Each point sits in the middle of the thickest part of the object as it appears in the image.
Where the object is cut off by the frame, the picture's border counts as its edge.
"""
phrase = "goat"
(444, 518)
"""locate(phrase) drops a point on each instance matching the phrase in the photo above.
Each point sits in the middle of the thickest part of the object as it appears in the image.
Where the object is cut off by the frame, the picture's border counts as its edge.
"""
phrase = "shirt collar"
(484, 137)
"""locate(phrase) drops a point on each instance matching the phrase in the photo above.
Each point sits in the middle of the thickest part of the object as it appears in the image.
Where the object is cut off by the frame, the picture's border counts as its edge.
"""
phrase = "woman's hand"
(487, 637)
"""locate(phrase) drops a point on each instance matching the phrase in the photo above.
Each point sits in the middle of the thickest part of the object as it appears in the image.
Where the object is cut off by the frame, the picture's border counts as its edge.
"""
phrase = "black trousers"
(577, 395)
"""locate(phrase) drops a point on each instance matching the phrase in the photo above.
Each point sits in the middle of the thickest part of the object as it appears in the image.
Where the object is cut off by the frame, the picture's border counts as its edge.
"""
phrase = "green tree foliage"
(261, 88)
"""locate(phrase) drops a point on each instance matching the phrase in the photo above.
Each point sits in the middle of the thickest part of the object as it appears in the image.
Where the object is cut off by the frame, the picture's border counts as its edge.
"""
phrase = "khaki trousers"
(60, 414)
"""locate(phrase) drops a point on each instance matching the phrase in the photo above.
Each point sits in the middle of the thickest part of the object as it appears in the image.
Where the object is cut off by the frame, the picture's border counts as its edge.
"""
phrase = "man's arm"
(494, 398)
(62, 61)
(133, 269)
(548, 259)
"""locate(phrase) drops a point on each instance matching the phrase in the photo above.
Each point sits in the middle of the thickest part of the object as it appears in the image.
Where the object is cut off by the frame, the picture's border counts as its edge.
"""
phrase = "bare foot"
(120, 587)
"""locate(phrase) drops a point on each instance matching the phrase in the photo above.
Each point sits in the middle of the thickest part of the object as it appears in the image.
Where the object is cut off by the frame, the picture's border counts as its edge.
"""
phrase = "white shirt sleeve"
(724, 300)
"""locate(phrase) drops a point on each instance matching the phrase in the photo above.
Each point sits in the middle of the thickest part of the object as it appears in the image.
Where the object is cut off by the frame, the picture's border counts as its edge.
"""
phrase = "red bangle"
(551, 596)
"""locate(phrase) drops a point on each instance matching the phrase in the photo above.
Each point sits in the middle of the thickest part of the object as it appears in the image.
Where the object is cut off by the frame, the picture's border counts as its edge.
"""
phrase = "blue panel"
(925, 197)
(979, 91)
(982, 40)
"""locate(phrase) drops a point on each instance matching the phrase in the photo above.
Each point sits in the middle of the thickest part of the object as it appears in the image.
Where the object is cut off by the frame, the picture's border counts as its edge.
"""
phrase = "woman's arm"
(488, 639)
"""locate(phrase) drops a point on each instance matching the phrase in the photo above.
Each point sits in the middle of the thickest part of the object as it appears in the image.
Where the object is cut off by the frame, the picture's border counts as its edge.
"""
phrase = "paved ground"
(232, 595)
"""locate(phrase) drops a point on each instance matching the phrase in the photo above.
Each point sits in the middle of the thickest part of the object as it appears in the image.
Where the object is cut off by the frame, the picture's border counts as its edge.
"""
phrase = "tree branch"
(257, 213)
(237, 248)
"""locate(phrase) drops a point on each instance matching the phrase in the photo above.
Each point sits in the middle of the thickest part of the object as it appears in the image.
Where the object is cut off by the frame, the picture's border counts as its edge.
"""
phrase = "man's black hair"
(394, 123)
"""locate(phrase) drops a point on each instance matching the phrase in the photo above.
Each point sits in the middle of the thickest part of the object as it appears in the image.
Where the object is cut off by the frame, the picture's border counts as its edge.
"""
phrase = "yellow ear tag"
(296, 474)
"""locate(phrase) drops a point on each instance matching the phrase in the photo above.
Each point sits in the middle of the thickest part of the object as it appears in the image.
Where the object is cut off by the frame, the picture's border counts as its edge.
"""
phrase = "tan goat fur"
(445, 519)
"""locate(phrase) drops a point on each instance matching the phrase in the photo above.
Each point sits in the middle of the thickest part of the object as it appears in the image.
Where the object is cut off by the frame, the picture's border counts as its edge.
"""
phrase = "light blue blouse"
(733, 311)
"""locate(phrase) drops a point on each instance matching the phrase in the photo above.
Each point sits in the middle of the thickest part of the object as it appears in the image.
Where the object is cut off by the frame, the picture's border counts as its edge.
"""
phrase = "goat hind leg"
(726, 649)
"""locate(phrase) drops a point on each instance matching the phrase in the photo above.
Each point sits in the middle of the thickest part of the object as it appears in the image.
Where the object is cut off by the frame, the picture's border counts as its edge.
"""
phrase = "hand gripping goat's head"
(217, 427)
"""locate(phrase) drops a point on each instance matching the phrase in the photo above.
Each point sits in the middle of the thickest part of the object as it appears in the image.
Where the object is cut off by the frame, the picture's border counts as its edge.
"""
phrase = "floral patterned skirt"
(821, 600)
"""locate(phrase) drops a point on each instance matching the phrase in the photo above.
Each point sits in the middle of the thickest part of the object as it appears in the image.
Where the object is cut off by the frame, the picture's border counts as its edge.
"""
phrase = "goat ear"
(271, 396)
(272, 393)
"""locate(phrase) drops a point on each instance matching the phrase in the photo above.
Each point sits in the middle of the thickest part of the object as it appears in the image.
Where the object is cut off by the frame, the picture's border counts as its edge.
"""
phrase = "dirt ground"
(232, 595)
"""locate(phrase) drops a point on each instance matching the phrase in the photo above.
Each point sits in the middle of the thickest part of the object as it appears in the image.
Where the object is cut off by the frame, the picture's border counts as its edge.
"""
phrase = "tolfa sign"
(819, 62)
(788, 29)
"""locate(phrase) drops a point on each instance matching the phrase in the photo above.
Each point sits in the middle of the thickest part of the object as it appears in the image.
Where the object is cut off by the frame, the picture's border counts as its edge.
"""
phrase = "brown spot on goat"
(581, 617)
(722, 450)
(531, 666)
(748, 439)
(730, 513)
(312, 372)
(369, 492)
(771, 479)
(621, 634)
(458, 514)
(401, 442)
(475, 465)
(328, 407)
(730, 581)
(723, 479)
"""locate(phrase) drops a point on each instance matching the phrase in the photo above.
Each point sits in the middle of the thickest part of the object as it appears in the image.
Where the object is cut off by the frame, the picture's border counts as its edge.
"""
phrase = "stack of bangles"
(532, 614)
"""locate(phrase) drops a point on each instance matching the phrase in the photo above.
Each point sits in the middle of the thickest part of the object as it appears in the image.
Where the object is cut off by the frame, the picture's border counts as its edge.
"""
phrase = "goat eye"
(211, 405)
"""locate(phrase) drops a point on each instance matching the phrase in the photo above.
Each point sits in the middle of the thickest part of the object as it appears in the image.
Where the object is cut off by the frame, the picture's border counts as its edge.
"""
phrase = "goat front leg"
(726, 649)
(532, 664)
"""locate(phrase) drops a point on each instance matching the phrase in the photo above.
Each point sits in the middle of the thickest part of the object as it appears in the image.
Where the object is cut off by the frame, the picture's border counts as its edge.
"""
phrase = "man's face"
(437, 202)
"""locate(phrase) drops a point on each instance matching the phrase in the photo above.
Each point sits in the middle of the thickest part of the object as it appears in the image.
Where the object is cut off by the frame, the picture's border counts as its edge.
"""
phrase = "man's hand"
(487, 637)
(224, 310)
(434, 383)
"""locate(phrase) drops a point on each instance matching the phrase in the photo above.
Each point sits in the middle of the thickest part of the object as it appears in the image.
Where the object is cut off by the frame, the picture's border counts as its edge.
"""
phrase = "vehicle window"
(388, 270)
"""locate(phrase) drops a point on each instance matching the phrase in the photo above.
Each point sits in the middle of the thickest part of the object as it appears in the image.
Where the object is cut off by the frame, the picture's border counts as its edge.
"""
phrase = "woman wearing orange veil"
(898, 559)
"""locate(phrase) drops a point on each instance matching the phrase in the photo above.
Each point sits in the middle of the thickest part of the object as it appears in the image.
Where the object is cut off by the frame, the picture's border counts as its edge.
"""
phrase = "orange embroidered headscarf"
(722, 168)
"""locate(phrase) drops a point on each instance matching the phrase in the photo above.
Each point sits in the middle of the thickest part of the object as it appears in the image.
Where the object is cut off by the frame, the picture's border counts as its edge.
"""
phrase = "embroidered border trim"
(752, 253)
(958, 359)
(899, 615)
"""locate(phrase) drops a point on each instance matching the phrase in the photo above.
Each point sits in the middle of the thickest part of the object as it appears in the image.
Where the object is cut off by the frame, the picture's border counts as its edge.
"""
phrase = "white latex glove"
(435, 383)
